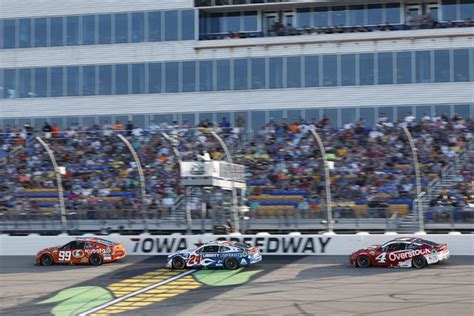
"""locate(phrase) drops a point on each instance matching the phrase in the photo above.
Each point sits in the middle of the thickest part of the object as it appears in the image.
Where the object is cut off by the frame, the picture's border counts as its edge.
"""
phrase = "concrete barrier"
(146, 244)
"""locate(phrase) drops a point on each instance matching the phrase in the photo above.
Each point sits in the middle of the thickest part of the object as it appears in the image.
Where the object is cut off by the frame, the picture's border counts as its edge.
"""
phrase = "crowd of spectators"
(279, 29)
(372, 165)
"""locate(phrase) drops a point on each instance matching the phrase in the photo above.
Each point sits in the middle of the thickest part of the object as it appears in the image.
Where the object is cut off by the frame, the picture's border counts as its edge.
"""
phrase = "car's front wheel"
(95, 260)
(178, 263)
(46, 260)
(363, 261)
(419, 262)
(231, 263)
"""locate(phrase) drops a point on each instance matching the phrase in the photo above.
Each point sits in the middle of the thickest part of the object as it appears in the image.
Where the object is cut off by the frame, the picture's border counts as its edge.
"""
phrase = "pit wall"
(292, 244)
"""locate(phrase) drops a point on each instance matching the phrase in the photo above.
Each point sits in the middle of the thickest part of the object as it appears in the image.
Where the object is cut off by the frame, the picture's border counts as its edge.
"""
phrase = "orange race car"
(93, 251)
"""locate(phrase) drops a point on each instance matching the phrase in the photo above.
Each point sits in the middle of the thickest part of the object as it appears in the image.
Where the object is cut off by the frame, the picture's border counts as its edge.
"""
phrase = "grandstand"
(262, 74)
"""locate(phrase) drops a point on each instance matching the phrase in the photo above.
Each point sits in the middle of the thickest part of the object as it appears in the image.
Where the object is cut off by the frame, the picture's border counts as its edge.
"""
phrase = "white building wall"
(273, 46)
(44, 8)
(340, 97)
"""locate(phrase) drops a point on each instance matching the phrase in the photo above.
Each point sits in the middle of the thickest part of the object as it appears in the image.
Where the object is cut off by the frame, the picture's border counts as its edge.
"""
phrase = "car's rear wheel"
(46, 260)
(178, 263)
(419, 262)
(231, 263)
(363, 261)
(95, 260)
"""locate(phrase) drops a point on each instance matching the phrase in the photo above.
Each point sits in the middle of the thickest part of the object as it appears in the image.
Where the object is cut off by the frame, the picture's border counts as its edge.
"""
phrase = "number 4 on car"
(93, 251)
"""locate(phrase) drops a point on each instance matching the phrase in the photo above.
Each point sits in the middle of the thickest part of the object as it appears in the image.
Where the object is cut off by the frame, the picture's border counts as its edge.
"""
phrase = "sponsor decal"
(78, 253)
(268, 245)
(396, 256)
(98, 250)
(107, 256)
(197, 169)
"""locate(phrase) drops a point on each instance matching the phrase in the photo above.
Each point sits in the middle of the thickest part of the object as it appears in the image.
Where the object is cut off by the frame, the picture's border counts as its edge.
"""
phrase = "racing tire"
(46, 260)
(419, 262)
(178, 263)
(231, 263)
(95, 260)
(363, 261)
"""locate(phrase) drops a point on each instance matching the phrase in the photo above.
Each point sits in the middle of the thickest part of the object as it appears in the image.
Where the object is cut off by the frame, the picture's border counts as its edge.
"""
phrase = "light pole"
(59, 181)
(421, 218)
(327, 180)
(140, 174)
(232, 172)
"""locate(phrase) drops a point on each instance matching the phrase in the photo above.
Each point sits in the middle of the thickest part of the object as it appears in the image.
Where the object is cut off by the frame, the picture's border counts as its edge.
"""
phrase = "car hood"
(48, 250)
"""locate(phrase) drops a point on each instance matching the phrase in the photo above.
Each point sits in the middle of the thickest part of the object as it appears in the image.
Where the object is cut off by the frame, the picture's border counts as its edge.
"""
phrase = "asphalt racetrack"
(313, 285)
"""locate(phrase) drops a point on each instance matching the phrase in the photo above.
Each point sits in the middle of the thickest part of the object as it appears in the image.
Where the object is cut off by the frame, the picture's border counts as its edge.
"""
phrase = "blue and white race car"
(216, 254)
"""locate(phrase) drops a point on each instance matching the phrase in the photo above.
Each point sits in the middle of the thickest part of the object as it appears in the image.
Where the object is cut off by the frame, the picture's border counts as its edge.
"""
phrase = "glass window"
(348, 70)
(403, 111)
(223, 74)
(25, 33)
(72, 30)
(338, 16)
(449, 10)
(171, 25)
(466, 7)
(321, 17)
(462, 110)
(189, 76)
(154, 78)
(56, 29)
(88, 80)
(138, 78)
(88, 30)
(312, 115)
(206, 117)
(41, 36)
(293, 115)
(303, 17)
(187, 25)
(293, 72)
(88, 121)
(121, 28)
(311, 71)
(121, 79)
(105, 79)
(423, 66)
(374, 14)
(366, 69)
(56, 87)
(258, 73)
(392, 13)
(442, 65)
(275, 116)
(258, 120)
(276, 72)
(404, 67)
(41, 82)
(368, 116)
(329, 70)
(422, 111)
(331, 114)
(25, 83)
(356, 15)
(233, 22)
(250, 21)
(216, 22)
(105, 29)
(138, 120)
(461, 65)
(385, 68)
(171, 75)
(188, 119)
(9, 33)
(205, 76)
(241, 74)
(443, 110)
(72, 81)
(138, 27)
(154, 26)
(348, 116)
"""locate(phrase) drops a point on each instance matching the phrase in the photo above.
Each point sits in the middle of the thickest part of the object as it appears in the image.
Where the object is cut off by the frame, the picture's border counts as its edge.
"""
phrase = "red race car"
(401, 252)
(93, 251)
